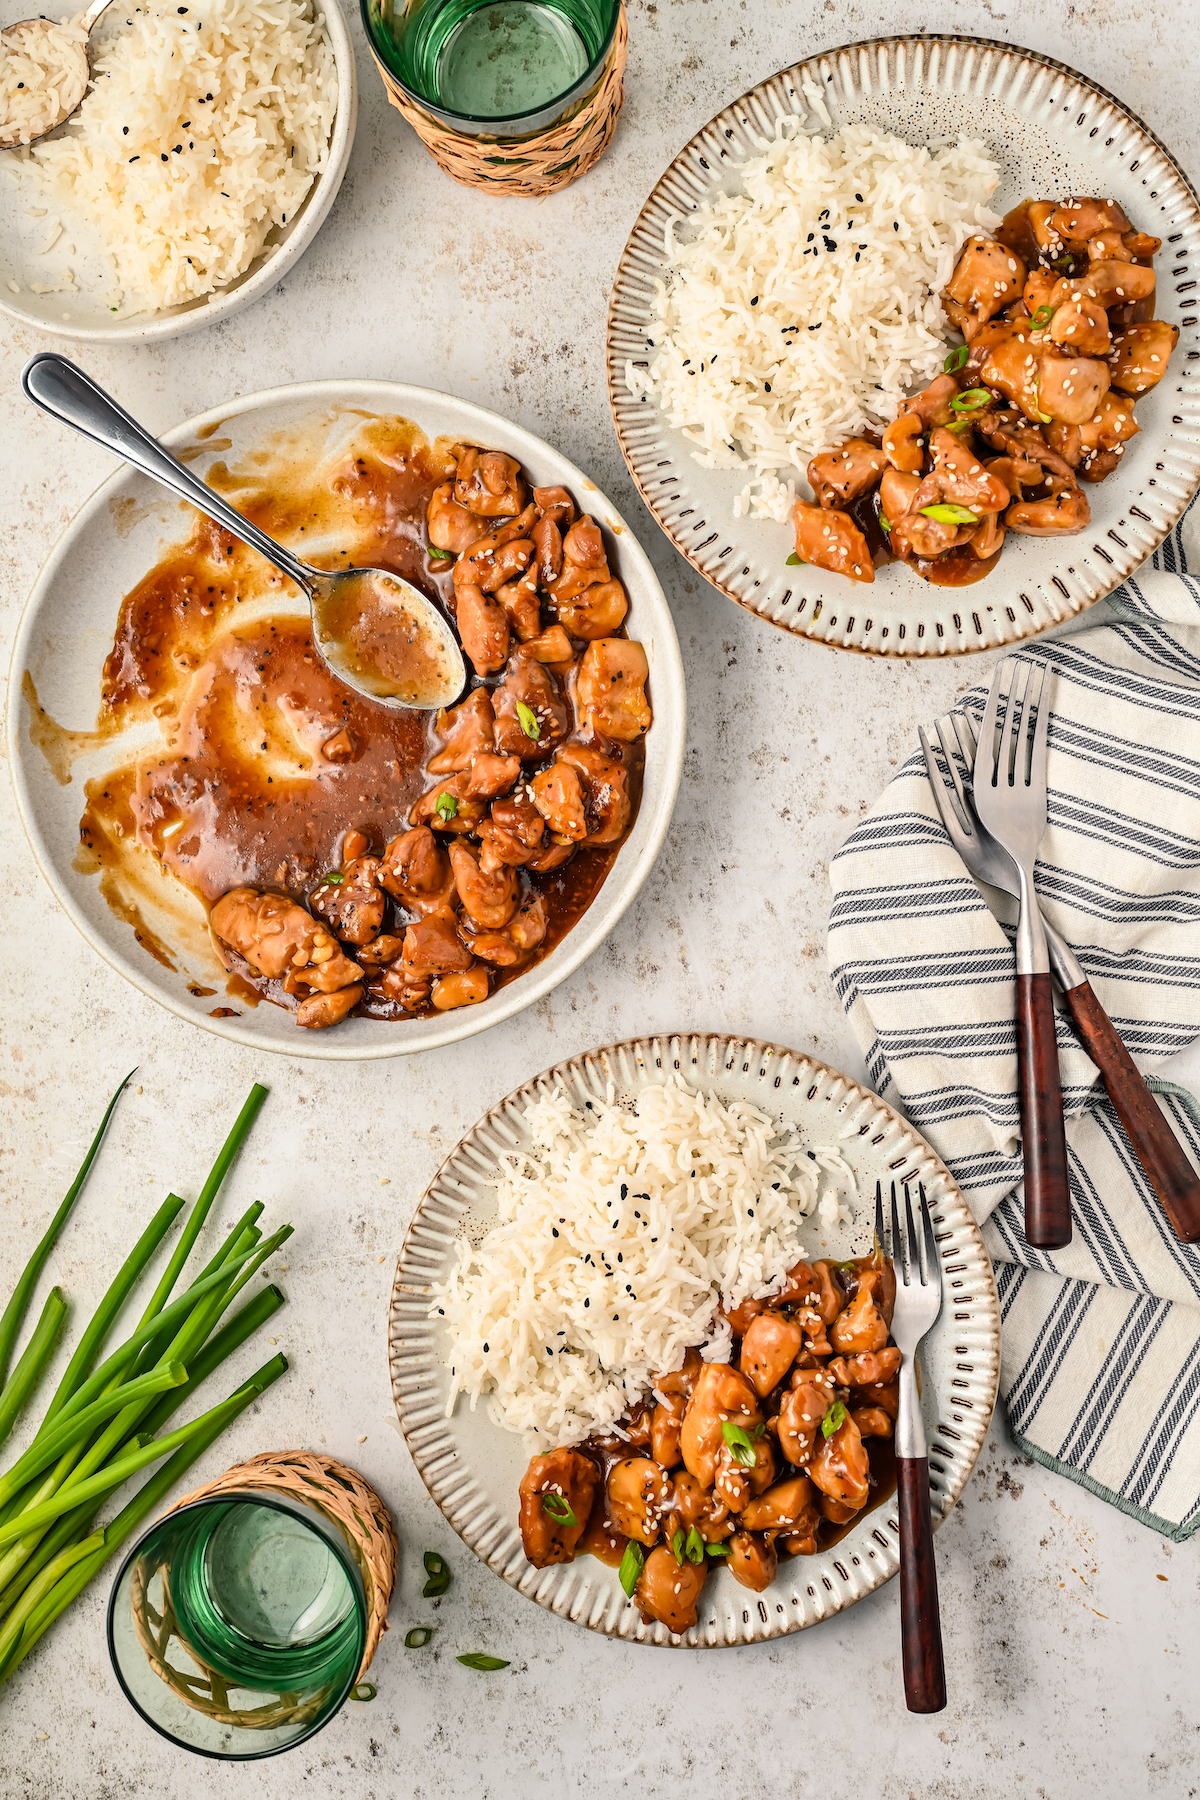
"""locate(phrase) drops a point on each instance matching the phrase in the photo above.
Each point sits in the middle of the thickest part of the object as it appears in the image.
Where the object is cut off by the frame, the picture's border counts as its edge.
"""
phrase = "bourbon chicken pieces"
(538, 766)
(736, 1463)
(1058, 315)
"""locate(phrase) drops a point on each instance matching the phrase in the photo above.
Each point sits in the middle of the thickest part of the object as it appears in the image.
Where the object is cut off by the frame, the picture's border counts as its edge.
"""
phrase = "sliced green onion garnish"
(438, 1571)
(478, 1659)
(955, 360)
(741, 1443)
(558, 1509)
(716, 1549)
(334, 878)
(885, 522)
(631, 1566)
(363, 1690)
(677, 1545)
(793, 561)
(529, 722)
(1042, 317)
(946, 513)
(418, 1637)
(957, 425)
(694, 1547)
(972, 400)
(446, 806)
(441, 555)
(833, 1418)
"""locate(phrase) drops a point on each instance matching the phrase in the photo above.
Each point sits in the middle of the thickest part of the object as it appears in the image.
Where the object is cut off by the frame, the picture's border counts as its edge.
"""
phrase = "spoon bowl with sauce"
(378, 633)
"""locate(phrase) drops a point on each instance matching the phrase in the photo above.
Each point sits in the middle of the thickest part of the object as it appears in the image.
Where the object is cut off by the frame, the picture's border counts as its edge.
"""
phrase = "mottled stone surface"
(1069, 1630)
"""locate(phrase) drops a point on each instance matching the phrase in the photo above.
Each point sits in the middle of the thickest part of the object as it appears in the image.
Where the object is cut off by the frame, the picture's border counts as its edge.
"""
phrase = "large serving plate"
(81, 312)
(67, 628)
(1052, 131)
(472, 1466)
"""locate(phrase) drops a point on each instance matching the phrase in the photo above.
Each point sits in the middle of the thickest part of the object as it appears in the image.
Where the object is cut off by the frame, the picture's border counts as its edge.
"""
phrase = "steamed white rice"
(205, 126)
(38, 65)
(805, 306)
(619, 1231)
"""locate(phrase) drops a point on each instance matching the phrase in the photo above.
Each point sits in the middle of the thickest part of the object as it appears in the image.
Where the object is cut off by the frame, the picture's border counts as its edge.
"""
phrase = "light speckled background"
(1070, 1631)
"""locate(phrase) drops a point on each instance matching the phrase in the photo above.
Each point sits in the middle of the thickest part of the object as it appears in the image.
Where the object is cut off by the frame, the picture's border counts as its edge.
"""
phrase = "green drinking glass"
(237, 1625)
(499, 68)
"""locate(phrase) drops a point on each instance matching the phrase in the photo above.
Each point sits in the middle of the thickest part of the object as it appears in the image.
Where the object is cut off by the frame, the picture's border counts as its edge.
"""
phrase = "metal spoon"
(378, 633)
(77, 74)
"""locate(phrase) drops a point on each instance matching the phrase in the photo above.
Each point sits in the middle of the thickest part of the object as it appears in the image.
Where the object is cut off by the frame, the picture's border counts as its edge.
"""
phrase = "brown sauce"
(955, 568)
(265, 758)
(369, 627)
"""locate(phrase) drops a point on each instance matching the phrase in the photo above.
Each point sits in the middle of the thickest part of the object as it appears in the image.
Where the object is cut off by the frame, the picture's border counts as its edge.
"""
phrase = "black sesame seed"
(124, 131)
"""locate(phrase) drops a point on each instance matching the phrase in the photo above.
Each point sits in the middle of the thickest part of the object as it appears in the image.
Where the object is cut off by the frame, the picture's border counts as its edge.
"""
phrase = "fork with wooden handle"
(1010, 798)
(1155, 1145)
(918, 1272)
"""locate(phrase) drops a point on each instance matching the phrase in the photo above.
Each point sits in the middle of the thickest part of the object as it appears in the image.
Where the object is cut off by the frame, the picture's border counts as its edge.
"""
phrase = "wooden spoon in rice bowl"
(44, 73)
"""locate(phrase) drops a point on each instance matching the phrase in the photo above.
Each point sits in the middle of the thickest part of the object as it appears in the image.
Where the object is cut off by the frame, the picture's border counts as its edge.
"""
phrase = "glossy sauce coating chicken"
(736, 1464)
(1058, 315)
(537, 768)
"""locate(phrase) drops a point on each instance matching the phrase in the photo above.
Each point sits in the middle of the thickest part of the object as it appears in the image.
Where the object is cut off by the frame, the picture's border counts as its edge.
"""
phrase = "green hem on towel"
(1178, 1534)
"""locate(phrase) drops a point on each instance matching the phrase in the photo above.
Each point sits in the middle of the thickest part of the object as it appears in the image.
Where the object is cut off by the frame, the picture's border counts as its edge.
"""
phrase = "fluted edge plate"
(1052, 131)
(472, 1466)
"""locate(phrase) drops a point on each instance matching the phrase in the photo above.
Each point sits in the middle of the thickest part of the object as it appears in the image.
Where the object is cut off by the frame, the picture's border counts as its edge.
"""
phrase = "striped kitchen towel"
(1101, 1354)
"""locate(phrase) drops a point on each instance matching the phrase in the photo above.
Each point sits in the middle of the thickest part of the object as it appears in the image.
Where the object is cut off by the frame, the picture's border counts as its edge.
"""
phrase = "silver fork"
(918, 1272)
(1149, 1131)
(1010, 799)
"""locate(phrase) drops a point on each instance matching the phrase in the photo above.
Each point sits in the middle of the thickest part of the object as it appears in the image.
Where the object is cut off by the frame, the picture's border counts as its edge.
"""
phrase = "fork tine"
(985, 754)
(941, 726)
(931, 1254)
(967, 742)
(899, 1242)
(880, 1242)
(1015, 719)
(916, 1246)
(1041, 736)
(945, 787)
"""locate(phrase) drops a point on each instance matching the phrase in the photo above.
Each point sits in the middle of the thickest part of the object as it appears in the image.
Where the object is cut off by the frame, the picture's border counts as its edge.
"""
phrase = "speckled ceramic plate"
(81, 311)
(1053, 132)
(472, 1466)
(66, 632)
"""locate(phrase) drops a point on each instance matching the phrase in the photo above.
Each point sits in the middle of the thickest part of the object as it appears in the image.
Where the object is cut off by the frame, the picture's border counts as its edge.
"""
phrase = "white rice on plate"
(805, 306)
(619, 1230)
(204, 128)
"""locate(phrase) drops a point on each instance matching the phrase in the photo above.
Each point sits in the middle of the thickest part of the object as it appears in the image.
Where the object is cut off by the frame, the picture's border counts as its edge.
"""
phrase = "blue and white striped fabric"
(1101, 1358)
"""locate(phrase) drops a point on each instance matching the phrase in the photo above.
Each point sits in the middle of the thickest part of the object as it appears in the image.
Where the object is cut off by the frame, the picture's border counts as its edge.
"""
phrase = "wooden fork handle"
(1043, 1142)
(920, 1620)
(1155, 1145)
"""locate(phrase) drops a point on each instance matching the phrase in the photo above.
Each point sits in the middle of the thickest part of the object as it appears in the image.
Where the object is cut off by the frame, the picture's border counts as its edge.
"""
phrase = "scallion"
(954, 362)
(438, 1576)
(972, 401)
(946, 513)
(556, 1507)
(741, 1442)
(418, 1637)
(631, 1567)
(478, 1659)
(1042, 317)
(834, 1418)
(528, 721)
(101, 1423)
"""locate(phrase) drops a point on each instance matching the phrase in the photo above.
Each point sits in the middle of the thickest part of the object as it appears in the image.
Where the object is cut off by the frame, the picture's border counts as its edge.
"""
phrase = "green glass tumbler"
(237, 1625)
(501, 68)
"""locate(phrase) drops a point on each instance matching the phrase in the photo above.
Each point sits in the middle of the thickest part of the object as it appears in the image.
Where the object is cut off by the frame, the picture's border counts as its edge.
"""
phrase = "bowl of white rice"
(203, 160)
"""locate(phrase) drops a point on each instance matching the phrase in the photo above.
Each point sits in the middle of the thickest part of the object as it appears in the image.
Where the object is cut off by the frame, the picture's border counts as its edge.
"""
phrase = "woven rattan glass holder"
(349, 1553)
(540, 162)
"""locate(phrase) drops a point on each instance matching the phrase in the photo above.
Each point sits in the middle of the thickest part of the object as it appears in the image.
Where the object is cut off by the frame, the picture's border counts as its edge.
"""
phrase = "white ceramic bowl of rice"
(59, 274)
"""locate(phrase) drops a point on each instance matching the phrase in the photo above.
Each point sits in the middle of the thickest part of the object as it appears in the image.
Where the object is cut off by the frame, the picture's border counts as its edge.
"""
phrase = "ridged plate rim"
(1129, 522)
(963, 1348)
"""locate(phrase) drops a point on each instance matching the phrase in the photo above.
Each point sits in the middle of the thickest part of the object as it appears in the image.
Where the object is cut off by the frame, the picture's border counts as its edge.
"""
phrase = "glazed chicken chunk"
(1057, 311)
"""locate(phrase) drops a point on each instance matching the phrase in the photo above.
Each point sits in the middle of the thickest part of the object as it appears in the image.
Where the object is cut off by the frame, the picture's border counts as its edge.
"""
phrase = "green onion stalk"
(104, 1421)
